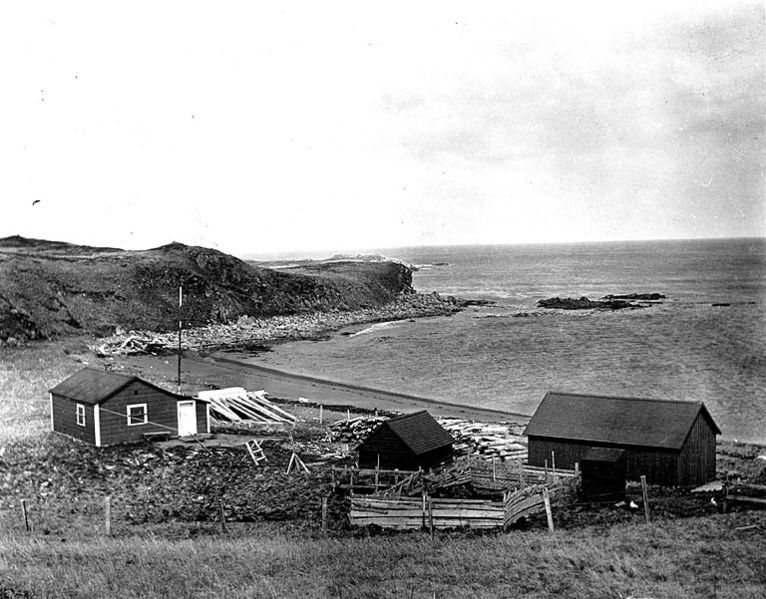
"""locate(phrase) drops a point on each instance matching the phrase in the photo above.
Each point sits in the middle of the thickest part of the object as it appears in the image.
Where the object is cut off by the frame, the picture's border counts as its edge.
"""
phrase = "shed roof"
(420, 432)
(93, 386)
(617, 420)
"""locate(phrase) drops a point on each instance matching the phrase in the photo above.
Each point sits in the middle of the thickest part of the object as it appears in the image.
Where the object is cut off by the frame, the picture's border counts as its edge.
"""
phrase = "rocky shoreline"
(249, 331)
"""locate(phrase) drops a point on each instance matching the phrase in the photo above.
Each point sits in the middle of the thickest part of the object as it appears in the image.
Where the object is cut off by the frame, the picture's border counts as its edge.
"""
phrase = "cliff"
(50, 288)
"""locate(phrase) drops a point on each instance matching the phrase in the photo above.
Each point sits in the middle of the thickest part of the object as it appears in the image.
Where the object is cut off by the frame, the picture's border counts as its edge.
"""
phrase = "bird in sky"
(35, 202)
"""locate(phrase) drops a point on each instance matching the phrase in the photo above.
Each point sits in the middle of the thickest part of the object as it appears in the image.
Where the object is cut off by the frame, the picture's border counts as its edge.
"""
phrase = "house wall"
(64, 418)
(161, 410)
(660, 466)
(696, 464)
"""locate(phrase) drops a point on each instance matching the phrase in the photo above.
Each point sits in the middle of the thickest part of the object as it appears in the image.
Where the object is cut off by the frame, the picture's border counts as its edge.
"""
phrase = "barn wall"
(65, 419)
(161, 410)
(696, 464)
(660, 466)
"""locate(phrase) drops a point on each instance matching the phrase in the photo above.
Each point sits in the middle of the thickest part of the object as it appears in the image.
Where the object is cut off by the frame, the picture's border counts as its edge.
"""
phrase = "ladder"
(256, 452)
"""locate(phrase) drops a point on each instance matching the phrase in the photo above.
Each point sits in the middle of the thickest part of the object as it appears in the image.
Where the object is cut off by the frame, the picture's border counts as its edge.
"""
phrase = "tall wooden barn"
(104, 408)
(406, 442)
(670, 442)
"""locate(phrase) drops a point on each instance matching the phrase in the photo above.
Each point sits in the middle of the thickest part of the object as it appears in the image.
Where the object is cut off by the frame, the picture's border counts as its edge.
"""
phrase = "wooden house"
(104, 408)
(406, 442)
(670, 442)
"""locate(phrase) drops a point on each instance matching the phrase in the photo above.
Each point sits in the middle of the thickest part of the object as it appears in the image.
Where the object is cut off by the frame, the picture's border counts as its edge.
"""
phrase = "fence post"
(223, 515)
(324, 515)
(108, 515)
(494, 472)
(24, 514)
(431, 517)
(553, 465)
(546, 472)
(320, 413)
(646, 498)
(424, 507)
(548, 513)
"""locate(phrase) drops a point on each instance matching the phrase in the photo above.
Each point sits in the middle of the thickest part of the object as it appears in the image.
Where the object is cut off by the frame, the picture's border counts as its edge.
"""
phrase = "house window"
(137, 414)
(80, 414)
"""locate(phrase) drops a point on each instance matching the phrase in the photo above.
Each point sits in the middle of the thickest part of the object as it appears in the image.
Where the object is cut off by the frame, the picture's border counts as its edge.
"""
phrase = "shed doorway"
(187, 418)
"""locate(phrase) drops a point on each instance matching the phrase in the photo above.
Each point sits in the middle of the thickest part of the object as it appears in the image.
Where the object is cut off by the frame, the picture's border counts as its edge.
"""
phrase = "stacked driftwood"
(236, 405)
(499, 441)
(354, 430)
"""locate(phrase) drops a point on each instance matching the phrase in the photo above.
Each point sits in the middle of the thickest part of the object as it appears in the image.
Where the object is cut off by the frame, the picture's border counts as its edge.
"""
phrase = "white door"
(187, 418)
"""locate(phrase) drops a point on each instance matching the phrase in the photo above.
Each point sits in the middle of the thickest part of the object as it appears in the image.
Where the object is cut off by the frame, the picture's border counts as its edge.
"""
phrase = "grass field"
(690, 558)
(715, 556)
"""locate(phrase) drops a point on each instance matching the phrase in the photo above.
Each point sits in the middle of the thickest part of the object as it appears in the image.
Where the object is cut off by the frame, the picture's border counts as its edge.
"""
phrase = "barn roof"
(616, 420)
(93, 386)
(420, 432)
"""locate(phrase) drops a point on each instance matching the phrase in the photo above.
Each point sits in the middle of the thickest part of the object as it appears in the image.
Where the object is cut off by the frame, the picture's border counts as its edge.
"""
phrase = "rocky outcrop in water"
(647, 297)
(583, 303)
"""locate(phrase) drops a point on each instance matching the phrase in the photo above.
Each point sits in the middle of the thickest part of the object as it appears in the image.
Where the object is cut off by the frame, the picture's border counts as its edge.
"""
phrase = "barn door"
(187, 418)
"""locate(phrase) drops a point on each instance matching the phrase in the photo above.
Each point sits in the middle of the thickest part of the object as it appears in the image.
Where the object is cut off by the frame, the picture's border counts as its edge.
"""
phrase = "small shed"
(104, 408)
(670, 442)
(603, 471)
(406, 442)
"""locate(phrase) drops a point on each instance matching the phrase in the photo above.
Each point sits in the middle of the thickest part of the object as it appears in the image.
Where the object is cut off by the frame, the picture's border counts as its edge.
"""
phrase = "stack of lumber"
(414, 513)
(355, 430)
(502, 440)
(235, 404)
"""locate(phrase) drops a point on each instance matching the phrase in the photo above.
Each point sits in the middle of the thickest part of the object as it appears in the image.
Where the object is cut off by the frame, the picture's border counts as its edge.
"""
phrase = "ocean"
(705, 341)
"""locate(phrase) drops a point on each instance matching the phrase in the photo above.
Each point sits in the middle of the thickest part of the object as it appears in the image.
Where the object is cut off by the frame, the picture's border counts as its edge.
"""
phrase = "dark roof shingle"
(93, 386)
(616, 420)
(420, 432)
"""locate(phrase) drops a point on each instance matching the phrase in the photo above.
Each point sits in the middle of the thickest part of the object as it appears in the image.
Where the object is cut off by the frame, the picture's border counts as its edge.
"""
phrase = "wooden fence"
(409, 513)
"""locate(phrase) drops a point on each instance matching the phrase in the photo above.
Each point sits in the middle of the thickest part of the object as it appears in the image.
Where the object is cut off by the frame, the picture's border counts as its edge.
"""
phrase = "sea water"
(705, 341)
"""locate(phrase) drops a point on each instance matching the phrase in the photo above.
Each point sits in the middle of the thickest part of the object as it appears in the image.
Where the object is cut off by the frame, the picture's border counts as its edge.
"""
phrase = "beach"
(220, 371)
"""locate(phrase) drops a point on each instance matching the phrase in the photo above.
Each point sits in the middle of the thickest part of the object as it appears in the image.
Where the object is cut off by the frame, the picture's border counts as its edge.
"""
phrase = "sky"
(282, 127)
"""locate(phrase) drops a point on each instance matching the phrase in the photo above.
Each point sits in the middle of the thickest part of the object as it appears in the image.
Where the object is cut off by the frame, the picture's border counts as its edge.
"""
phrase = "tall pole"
(180, 303)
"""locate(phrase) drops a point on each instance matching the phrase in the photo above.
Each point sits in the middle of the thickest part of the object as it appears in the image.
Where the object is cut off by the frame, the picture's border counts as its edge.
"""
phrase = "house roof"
(420, 432)
(93, 386)
(616, 420)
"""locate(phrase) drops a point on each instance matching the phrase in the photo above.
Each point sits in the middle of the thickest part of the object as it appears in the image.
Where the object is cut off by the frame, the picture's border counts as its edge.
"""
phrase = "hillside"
(49, 288)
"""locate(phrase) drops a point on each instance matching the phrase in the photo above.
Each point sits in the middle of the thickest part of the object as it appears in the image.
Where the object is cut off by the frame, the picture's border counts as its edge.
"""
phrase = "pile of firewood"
(355, 430)
(502, 441)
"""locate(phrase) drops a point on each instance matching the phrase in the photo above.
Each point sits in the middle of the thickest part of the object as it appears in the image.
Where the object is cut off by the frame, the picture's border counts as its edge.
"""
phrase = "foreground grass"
(690, 558)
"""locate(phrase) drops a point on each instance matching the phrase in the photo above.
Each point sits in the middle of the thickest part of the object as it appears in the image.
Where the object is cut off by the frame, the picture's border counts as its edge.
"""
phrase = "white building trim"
(97, 424)
(51, 398)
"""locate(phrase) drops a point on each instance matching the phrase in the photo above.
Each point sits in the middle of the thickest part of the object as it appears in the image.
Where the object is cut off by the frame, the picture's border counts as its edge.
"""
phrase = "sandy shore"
(218, 371)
